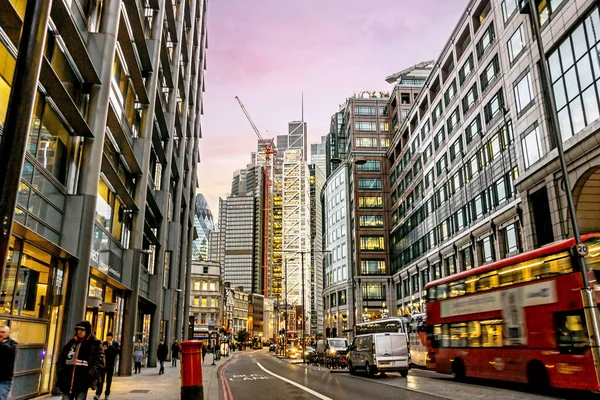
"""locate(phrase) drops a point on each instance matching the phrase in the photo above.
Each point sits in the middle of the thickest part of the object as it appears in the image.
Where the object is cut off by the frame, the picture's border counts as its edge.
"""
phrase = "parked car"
(379, 352)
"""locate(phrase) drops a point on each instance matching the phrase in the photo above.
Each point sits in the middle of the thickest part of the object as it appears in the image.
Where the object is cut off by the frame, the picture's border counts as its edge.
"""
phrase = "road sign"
(582, 249)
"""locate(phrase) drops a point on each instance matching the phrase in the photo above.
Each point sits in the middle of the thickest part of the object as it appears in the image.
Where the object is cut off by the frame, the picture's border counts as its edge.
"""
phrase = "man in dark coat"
(111, 351)
(162, 353)
(8, 353)
(80, 363)
(175, 353)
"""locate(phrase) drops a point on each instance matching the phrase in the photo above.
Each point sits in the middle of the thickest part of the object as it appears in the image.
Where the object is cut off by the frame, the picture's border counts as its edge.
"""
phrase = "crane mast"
(268, 148)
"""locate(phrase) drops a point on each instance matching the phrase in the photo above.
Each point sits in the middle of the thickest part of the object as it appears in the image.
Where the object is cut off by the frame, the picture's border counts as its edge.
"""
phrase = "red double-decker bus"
(519, 319)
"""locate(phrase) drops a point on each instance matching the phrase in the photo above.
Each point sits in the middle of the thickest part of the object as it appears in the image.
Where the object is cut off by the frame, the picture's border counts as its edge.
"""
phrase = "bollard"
(191, 370)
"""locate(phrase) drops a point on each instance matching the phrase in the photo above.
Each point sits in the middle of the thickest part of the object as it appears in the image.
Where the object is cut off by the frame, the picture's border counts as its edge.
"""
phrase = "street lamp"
(592, 319)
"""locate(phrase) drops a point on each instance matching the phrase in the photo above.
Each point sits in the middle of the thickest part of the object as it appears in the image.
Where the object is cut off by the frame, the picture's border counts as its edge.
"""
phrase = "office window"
(474, 129)
(470, 98)
(450, 93)
(466, 258)
(372, 267)
(427, 153)
(372, 243)
(453, 120)
(424, 277)
(490, 73)
(486, 249)
(516, 43)
(511, 239)
(369, 183)
(370, 202)
(366, 142)
(428, 178)
(486, 41)
(466, 69)
(439, 138)
(456, 148)
(403, 114)
(383, 111)
(415, 283)
(425, 129)
(369, 165)
(508, 8)
(371, 221)
(365, 126)
(575, 74)
(364, 110)
(532, 147)
(384, 126)
(494, 107)
(441, 164)
(523, 92)
(437, 112)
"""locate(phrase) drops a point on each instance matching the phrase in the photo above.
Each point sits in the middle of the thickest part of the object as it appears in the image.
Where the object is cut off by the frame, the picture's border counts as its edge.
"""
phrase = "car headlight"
(332, 351)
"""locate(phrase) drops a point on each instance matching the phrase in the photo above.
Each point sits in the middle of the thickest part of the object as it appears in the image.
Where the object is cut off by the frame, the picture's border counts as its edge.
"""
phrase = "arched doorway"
(586, 196)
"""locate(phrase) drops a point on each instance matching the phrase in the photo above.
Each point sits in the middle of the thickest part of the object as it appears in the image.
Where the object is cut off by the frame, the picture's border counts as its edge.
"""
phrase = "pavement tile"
(149, 385)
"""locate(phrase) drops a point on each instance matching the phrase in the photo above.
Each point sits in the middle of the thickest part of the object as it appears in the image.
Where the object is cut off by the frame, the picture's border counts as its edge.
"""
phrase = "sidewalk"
(150, 386)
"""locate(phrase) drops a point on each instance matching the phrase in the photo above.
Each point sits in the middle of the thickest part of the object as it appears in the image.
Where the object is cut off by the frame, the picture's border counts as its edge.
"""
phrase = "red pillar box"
(191, 370)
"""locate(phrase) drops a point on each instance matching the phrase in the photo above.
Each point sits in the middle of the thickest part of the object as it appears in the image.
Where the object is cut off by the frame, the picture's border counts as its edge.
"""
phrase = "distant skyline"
(269, 52)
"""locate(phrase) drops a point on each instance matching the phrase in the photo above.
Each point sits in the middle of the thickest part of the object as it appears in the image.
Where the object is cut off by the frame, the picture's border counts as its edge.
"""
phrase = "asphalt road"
(259, 375)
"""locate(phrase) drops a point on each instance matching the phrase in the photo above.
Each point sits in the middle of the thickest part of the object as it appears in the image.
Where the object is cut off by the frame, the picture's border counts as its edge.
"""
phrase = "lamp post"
(591, 312)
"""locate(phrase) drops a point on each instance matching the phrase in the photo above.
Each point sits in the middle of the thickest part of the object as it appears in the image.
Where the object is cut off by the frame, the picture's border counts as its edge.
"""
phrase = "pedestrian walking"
(175, 349)
(162, 352)
(138, 356)
(111, 351)
(204, 351)
(80, 363)
(8, 353)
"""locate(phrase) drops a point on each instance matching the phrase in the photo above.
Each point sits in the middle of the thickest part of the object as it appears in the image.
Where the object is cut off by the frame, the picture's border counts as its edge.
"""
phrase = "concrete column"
(187, 288)
(169, 298)
(183, 256)
(101, 47)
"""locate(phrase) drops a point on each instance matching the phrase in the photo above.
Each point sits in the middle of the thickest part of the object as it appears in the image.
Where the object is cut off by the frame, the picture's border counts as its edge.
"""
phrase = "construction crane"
(268, 148)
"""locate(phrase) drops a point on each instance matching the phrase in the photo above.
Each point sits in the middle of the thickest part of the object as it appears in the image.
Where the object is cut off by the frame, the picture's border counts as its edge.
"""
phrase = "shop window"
(8, 281)
(7, 68)
(32, 285)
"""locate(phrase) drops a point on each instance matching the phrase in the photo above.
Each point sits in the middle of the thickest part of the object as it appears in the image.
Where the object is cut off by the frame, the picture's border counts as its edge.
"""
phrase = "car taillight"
(373, 348)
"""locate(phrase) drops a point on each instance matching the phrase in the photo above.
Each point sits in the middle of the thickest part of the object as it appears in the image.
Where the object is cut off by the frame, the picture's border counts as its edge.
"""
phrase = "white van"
(380, 352)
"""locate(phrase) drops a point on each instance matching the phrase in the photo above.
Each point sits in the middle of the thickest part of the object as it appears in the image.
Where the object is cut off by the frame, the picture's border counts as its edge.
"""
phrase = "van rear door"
(391, 350)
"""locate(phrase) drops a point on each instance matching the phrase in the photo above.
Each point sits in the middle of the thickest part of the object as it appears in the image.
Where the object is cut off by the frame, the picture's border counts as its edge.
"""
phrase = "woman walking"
(138, 356)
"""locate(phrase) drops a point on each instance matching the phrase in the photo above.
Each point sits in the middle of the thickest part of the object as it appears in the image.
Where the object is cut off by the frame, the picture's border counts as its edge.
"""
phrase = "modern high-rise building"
(317, 180)
(318, 154)
(104, 220)
(204, 224)
(475, 175)
(237, 227)
(358, 285)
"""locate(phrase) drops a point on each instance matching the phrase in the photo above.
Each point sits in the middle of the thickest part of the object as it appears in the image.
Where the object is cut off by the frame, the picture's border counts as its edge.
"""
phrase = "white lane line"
(316, 394)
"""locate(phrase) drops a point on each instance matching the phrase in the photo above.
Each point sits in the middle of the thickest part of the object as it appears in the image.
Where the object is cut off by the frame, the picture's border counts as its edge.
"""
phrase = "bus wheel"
(458, 370)
(537, 376)
(370, 370)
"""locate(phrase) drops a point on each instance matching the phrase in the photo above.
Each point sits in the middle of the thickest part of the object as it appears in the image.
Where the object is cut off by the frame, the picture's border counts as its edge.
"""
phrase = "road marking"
(251, 377)
(227, 395)
(316, 394)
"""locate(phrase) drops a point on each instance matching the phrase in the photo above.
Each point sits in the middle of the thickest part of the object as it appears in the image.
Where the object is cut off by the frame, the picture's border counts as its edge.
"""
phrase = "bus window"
(431, 294)
(445, 336)
(458, 335)
(571, 333)
(491, 333)
(487, 281)
(474, 332)
(436, 341)
(471, 284)
(511, 275)
(457, 288)
(442, 292)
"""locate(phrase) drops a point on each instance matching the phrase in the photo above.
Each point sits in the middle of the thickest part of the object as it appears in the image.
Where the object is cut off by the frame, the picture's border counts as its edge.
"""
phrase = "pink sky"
(268, 52)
